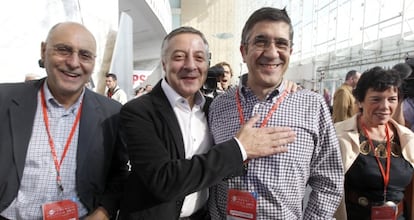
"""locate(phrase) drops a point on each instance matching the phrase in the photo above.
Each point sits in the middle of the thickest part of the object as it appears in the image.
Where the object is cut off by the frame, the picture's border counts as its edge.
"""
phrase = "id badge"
(60, 210)
(241, 205)
(388, 211)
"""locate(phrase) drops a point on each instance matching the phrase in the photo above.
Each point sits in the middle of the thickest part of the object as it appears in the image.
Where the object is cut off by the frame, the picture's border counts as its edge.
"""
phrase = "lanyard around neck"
(269, 114)
(385, 173)
(52, 144)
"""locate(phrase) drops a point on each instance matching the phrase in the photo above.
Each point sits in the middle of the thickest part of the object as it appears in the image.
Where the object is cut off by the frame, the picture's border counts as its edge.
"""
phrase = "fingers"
(275, 130)
(262, 142)
(281, 135)
(277, 150)
(264, 150)
(277, 137)
(291, 86)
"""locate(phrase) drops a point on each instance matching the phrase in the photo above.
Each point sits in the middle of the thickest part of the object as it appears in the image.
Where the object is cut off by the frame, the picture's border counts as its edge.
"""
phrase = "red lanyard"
(269, 114)
(52, 144)
(385, 173)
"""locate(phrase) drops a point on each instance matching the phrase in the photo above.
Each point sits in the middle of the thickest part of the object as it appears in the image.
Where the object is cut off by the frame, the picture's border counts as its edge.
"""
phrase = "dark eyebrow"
(261, 36)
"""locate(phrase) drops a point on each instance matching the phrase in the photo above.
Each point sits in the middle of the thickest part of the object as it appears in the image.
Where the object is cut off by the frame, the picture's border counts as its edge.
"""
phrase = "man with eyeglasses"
(273, 187)
(62, 154)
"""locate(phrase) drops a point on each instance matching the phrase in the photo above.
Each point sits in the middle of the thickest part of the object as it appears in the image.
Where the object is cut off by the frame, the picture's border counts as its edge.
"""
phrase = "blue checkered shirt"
(38, 184)
(280, 180)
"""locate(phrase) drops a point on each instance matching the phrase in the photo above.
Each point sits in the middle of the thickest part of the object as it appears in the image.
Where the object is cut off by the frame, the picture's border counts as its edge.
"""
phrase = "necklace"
(379, 145)
(381, 151)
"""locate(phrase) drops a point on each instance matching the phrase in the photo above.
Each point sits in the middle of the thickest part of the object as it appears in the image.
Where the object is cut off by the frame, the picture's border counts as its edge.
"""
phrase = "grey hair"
(181, 30)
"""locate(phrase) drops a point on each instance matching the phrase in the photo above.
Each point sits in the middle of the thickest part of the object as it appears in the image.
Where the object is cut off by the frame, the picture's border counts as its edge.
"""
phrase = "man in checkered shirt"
(279, 181)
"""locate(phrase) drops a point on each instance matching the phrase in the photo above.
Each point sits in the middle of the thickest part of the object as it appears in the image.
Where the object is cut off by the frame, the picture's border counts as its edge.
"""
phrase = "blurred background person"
(139, 92)
(224, 79)
(90, 84)
(218, 80)
(210, 85)
(113, 90)
(343, 101)
(328, 98)
(148, 88)
(31, 76)
(408, 91)
(377, 152)
(404, 70)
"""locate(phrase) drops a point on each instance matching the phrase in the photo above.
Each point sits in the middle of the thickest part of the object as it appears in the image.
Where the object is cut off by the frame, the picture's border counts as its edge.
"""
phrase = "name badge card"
(241, 205)
(60, 210)
(384, 212)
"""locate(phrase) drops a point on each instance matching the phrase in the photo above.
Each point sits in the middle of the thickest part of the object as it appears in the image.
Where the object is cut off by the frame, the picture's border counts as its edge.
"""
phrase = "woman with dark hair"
(377, 152)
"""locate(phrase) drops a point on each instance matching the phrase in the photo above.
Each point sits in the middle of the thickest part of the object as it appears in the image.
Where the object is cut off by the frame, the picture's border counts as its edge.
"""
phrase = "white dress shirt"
(196, 136)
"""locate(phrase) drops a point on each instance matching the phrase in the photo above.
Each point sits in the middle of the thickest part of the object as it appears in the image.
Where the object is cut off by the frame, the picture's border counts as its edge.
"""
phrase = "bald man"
(60, 144)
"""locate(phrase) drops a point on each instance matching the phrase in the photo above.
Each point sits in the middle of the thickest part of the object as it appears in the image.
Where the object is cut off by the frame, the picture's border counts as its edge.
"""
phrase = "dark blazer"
(161, 177)
(101, 155)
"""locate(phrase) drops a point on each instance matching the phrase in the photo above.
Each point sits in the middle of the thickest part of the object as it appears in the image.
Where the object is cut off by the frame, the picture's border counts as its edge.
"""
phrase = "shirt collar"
(243, 89)
(173, 97)
(53, 102)
(115, 89)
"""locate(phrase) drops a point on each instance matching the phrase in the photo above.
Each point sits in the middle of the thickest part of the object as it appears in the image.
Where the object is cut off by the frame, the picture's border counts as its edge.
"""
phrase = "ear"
(243, 51)
(163, 65)
(43, 51)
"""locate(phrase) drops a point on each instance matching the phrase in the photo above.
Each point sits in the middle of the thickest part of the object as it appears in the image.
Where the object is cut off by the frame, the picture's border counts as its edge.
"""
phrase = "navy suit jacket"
(101, 154)
(161, 177)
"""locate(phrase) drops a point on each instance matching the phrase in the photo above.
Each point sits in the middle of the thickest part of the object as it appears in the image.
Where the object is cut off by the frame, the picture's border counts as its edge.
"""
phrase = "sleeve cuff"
(242, 150)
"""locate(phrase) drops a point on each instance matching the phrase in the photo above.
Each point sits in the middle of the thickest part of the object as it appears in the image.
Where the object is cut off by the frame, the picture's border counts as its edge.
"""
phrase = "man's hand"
(291, 86)
(262, 142)
(99, 214)
(219, 86)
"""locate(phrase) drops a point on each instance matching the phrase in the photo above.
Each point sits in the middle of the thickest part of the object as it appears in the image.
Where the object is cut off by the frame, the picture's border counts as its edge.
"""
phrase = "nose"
(189, 63)
(385, 104)
(72, 60)
(272, 51)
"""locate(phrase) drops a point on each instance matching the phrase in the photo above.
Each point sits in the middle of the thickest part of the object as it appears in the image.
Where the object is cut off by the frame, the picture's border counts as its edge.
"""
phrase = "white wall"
(25, 23)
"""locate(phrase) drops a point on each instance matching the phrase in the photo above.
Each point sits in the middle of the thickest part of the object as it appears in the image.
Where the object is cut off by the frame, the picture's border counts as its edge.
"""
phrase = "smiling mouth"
(189, 78)
(70, 74)
(382, 115)
(271, 65)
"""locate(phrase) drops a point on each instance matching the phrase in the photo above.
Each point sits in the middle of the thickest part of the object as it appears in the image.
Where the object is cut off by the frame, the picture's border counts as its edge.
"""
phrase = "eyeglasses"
(263, 43)
(65, 51)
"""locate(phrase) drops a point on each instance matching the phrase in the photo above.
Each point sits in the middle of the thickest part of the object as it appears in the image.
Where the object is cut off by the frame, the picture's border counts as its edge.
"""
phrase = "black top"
(365, 179)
